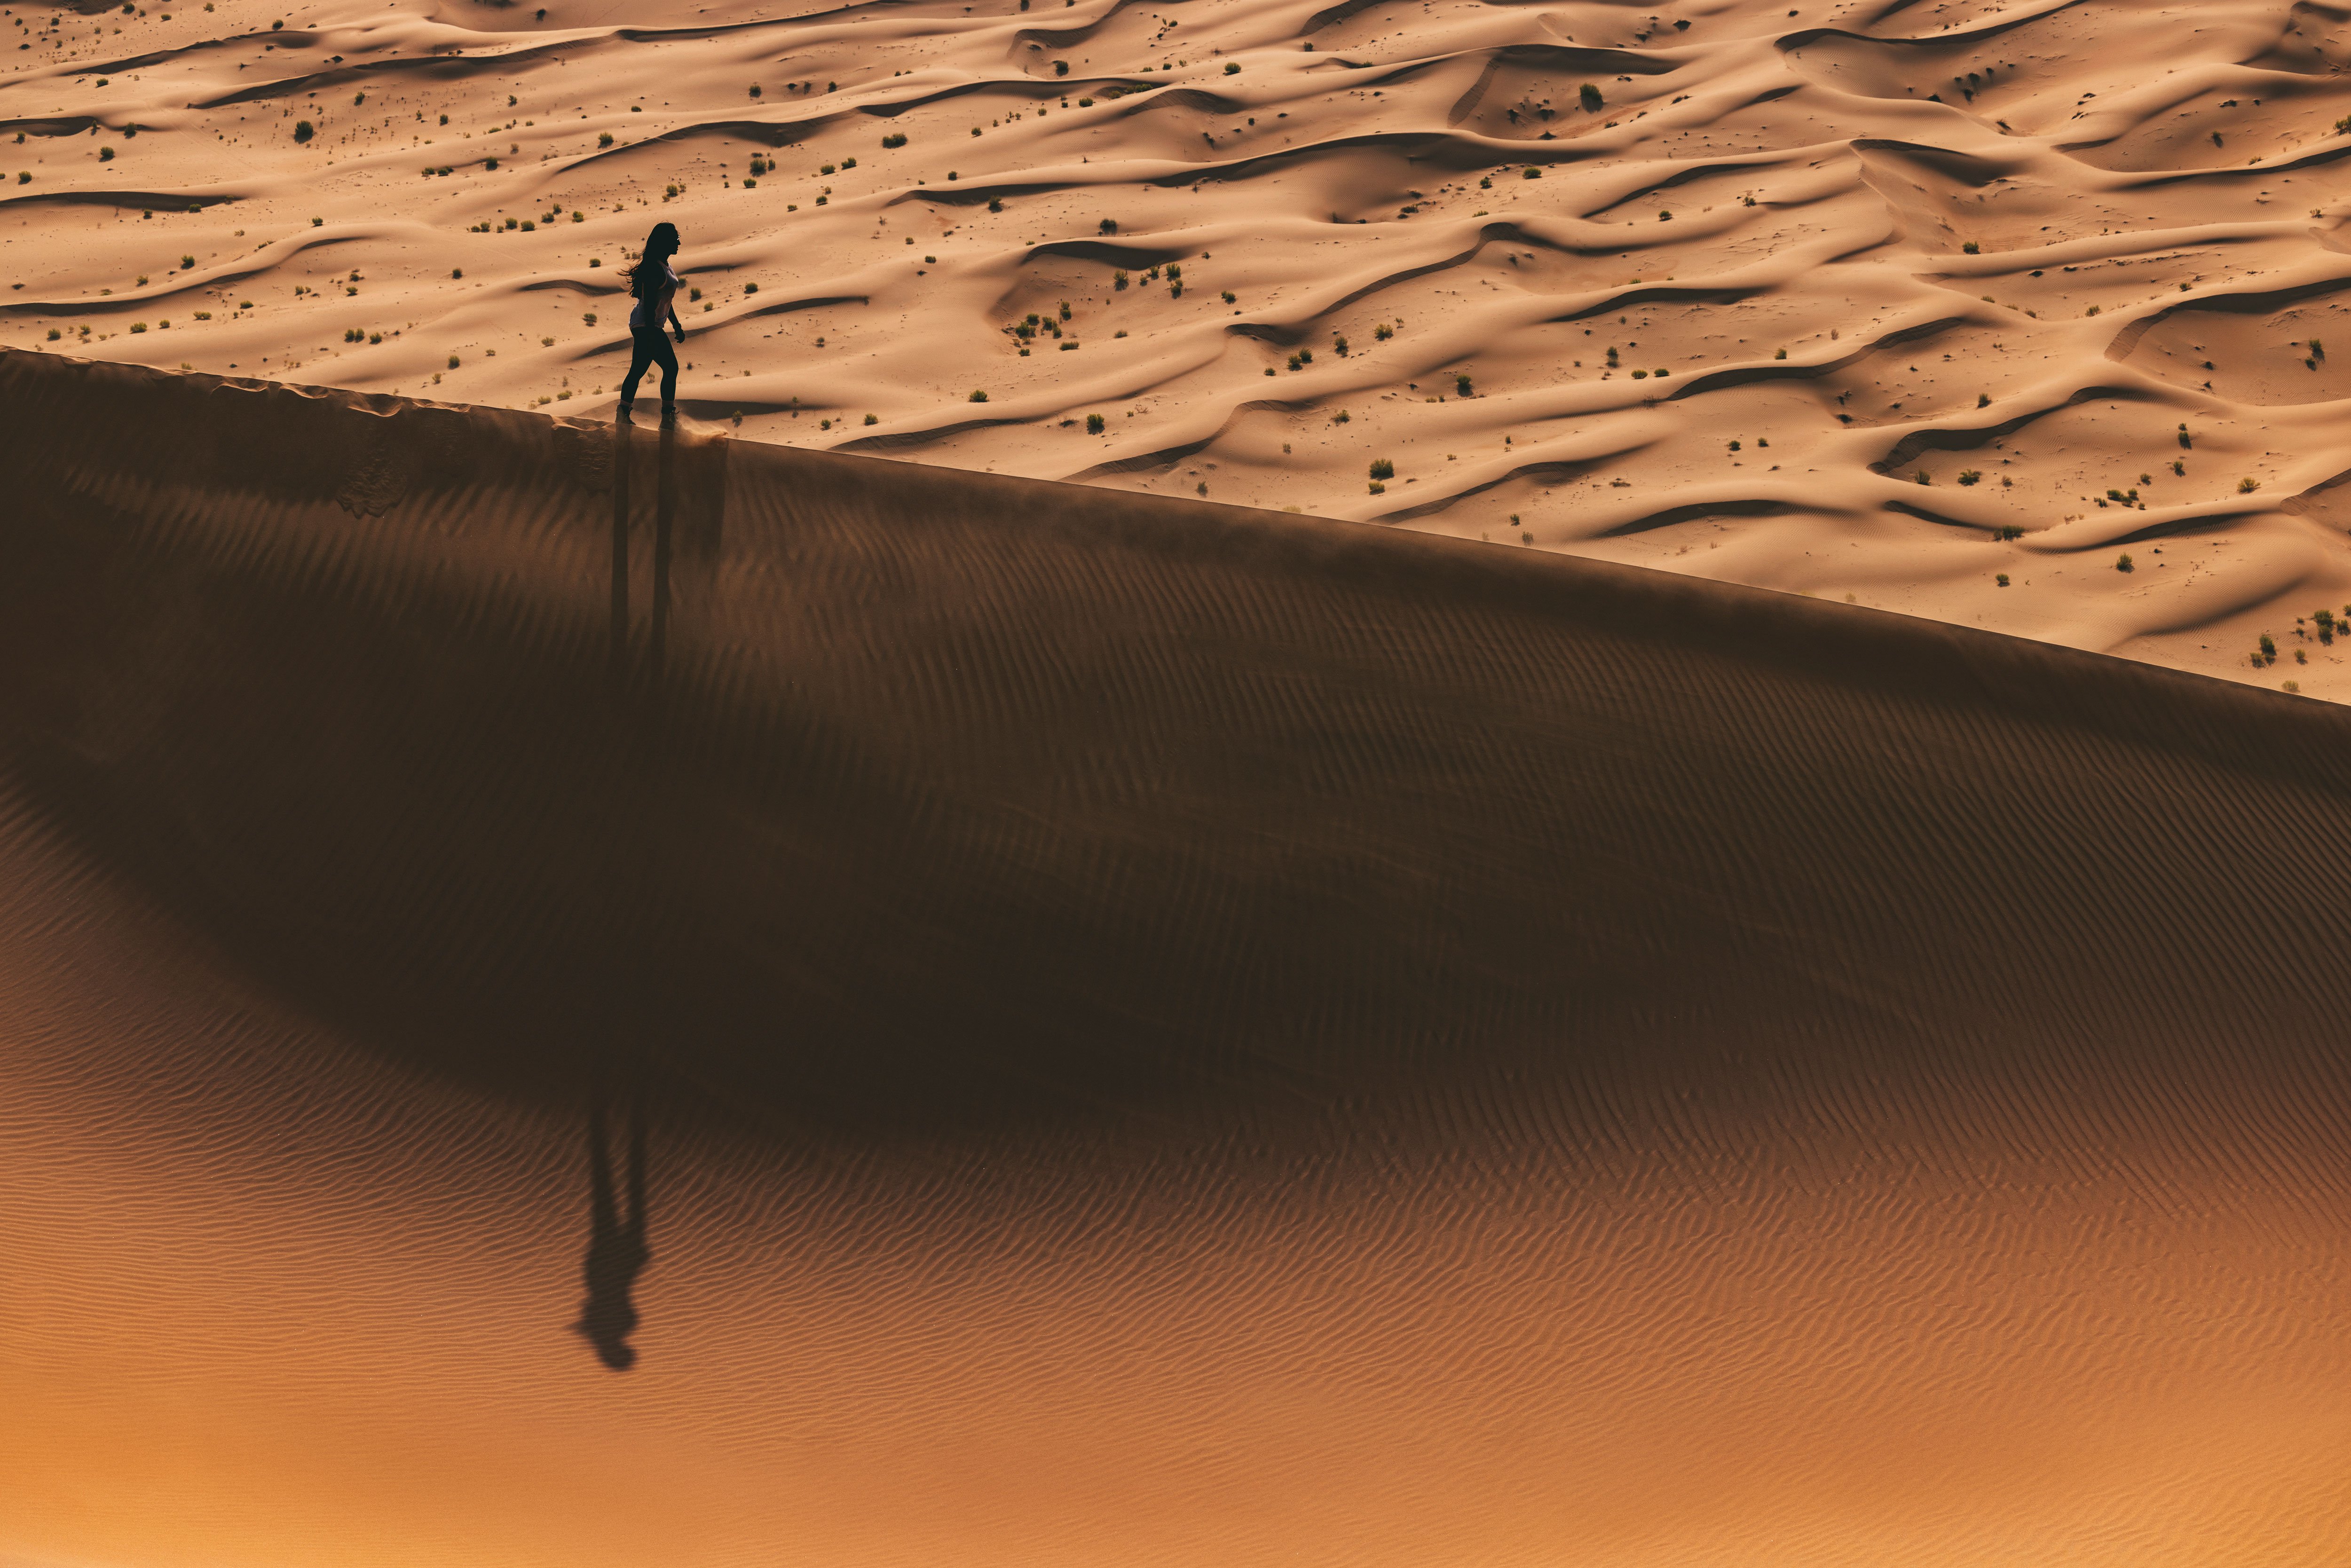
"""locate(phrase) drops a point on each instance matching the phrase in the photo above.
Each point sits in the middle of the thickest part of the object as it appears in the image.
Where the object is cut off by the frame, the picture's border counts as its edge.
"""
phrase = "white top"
(661, 294)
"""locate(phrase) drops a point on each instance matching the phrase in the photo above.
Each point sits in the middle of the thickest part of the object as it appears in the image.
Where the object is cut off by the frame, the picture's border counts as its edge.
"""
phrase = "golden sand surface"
(1880, 301)
(575, 995)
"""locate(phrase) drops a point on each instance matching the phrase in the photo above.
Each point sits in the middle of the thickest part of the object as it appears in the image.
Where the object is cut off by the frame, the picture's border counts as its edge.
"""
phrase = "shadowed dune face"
(1245, 251)
(589, 996)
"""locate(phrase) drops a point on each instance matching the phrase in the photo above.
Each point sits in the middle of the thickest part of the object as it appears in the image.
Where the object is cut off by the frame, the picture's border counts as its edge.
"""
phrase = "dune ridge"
(1160, 1032)
(1865, 300)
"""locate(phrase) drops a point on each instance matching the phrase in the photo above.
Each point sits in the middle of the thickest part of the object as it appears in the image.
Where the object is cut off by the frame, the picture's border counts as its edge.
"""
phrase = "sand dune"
(1875, 301)
(1158, 1032)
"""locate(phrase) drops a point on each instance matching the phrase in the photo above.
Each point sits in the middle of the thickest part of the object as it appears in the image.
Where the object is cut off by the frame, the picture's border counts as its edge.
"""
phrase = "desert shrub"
(2123, 563)
(994, 203)
(1093, 425)
(2247, 484)
(1970, 476)
(1341, 417)
(1532, 173)
(1338, 341)
(1780, 354)
(750, 289)
(304, 130)
(1382, 332)
(1061, 68)
(453, 361)
(1109, 226)
(1640, 376)
(979, 397)
(603, 138)
(55, 334)
(1970, 249)
(872, 419)
(588, 319)
(2002, 579)
(1229, 298)
(2269, 646)
(1377, 488)
(1589, 95)
(1231, 69)
(105, 155)
(1924, 477)
(1381, 468)
(2008, 531)
(139, 326)
(1461, 382)
(895, 139)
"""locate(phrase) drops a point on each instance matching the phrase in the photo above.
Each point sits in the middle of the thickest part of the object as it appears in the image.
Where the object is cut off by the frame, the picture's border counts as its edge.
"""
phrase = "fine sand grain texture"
(1878, 301)
(578, 997)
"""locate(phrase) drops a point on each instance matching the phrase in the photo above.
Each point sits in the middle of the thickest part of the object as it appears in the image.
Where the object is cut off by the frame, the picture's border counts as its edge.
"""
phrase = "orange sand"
(1166, 1034)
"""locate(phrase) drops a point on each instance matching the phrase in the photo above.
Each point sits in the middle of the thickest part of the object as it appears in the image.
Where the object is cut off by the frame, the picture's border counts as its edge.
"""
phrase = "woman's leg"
(640, 354)
(666, 357)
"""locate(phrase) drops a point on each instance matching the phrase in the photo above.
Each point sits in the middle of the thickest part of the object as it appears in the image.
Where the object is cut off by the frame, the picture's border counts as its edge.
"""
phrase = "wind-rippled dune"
(586, 997)
(1877, 302)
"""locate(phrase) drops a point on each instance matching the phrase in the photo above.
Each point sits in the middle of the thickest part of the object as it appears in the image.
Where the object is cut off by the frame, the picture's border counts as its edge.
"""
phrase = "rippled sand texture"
(1881, 283)
(1112, 1029)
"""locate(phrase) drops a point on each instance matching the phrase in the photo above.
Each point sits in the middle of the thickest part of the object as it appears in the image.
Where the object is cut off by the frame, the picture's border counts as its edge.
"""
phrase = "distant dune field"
(588, 997)
(1881, 301)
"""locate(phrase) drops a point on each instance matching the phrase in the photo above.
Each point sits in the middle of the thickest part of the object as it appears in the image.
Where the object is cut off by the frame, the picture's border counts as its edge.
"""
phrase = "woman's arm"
(675, 325)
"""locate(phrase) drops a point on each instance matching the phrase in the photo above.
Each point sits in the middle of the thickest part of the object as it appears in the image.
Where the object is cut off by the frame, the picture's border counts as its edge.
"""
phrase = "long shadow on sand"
(617, 1247)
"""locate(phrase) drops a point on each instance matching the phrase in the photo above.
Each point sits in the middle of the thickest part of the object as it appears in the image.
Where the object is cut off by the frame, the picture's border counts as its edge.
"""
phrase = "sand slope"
(1869, 300)
(1159, 1032)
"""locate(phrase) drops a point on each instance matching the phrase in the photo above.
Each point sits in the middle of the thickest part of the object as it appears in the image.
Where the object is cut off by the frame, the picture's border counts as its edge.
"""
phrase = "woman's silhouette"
(654, 282)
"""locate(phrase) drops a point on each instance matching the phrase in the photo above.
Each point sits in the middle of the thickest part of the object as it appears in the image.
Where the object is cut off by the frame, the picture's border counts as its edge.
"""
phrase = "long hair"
(650, 269)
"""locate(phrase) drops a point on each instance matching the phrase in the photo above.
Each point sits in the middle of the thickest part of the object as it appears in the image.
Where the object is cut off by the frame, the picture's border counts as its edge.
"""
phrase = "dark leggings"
(652, 348)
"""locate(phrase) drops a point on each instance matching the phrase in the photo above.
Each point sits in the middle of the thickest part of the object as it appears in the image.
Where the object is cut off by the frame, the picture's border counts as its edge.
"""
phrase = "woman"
(654, 281)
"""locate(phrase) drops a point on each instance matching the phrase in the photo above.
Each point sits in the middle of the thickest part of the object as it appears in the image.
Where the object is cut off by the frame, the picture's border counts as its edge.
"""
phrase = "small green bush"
(1970, 476)
(1231, 69)
(1590, 97)
(895, 139)
(2247, 484)
(1381, 468)
(979, 397)
(1970, 249)
(2123, 563)
(304, 130)
(603, 138)
(1093, 425)
(1061, 68)
(2002, 579)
